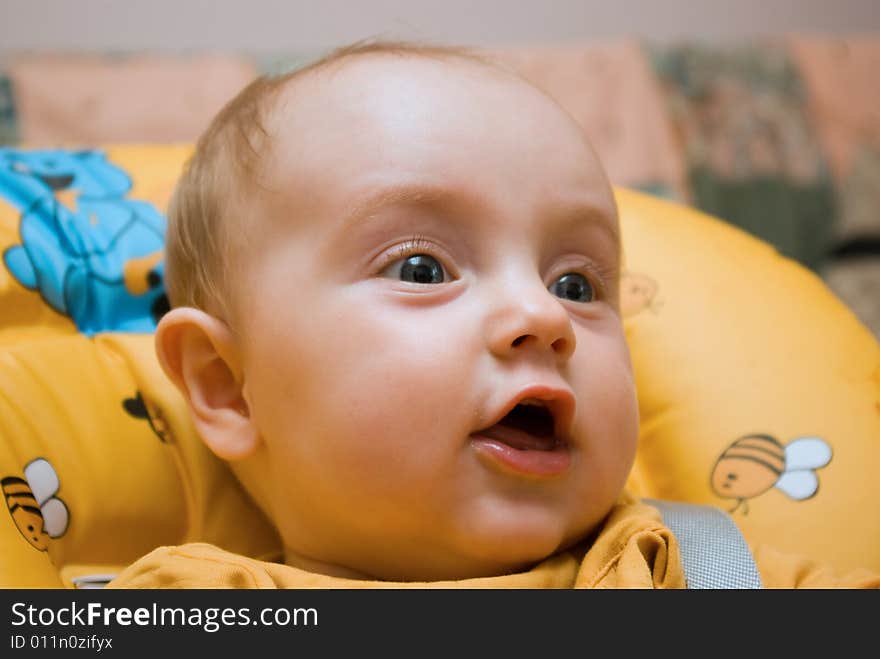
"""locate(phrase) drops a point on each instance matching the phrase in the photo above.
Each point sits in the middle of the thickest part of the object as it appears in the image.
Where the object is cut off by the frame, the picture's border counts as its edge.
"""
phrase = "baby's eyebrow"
(409, 194)
(573, 215)
(567, 214)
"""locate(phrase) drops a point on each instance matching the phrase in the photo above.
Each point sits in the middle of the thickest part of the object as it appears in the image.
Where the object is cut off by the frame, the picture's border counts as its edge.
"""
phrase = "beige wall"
(301, 25)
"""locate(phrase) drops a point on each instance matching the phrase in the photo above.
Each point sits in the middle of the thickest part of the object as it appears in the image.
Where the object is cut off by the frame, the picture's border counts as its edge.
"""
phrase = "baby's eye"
(417, 269)
(572, 286)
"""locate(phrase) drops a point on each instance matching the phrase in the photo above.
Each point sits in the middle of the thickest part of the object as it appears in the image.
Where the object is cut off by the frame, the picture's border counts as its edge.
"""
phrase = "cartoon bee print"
(638, 292)
(139, 408)
(755, 463)
(25, 511)
(31, 501)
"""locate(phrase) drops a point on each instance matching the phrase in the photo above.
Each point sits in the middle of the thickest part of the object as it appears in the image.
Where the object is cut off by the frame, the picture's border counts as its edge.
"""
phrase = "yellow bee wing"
(798, 485)
(807, 453)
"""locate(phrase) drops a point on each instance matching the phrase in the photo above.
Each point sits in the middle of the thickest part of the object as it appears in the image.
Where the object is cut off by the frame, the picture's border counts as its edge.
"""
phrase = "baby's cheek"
(607, 406)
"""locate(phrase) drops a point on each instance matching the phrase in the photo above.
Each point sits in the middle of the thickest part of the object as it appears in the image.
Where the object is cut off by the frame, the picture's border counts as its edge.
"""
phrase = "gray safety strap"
(714, 553)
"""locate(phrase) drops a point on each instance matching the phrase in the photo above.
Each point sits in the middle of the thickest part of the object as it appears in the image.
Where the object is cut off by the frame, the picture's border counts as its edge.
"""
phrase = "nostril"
(560, 345)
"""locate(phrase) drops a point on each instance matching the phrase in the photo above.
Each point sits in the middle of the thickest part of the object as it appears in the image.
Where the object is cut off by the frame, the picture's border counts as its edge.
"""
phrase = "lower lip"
(524, 462)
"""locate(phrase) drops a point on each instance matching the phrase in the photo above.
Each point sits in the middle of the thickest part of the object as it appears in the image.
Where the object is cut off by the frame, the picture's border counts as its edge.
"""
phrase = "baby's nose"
(529, 318)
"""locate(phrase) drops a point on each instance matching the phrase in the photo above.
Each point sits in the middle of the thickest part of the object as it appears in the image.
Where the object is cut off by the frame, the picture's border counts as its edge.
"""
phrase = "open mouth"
(529, 437)
(529, 426)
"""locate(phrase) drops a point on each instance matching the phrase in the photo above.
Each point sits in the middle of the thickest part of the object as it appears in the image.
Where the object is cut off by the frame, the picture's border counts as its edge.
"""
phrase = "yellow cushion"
(758, 390)
(98, 459)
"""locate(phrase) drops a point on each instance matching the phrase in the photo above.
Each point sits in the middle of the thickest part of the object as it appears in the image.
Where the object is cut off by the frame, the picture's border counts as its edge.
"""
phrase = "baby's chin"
(489, 550)
(497, 548)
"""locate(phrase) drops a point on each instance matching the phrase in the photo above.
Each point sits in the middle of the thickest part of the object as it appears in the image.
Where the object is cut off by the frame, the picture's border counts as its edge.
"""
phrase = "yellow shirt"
(632, 550)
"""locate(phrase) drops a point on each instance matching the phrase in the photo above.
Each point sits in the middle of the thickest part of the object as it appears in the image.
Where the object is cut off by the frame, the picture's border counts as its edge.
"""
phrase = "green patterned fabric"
(8, 119)
(752, 157)
(662, 190)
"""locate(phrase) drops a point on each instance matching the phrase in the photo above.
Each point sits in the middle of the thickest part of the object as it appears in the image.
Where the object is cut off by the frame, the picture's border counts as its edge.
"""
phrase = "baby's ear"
(198, 353)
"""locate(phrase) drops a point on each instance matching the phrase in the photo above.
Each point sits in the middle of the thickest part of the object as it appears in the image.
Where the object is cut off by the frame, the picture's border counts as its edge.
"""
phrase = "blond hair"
(225, 166)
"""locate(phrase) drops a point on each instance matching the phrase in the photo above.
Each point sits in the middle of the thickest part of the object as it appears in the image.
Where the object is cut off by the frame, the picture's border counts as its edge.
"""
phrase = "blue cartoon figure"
(90, 252)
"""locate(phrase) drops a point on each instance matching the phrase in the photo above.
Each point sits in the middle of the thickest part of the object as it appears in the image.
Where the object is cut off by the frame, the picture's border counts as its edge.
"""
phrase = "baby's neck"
(301, 562)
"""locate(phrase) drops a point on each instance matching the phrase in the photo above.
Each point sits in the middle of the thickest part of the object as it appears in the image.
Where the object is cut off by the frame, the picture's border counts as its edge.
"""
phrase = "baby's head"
(395, 287)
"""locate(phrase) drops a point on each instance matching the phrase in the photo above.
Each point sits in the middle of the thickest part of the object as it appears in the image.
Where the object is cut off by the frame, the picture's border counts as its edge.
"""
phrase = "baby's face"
(430, 334)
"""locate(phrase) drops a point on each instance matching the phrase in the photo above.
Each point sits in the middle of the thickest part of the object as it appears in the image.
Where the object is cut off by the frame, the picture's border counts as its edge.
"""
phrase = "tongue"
(519, 439)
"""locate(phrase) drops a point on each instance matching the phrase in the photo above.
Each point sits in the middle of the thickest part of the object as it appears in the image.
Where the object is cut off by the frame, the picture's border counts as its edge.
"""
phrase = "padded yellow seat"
(759, 391)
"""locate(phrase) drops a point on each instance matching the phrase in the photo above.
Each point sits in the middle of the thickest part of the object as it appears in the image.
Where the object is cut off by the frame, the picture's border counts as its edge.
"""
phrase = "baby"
(394, 278)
